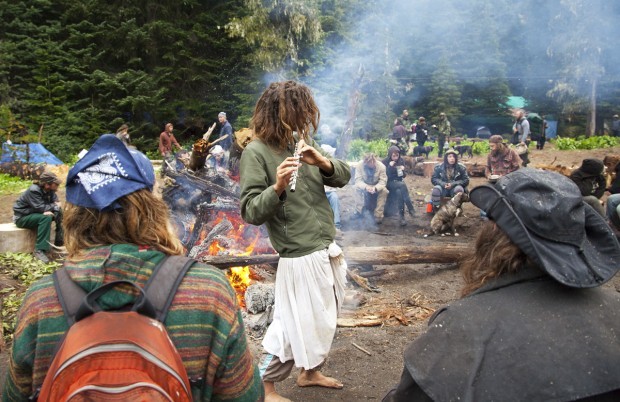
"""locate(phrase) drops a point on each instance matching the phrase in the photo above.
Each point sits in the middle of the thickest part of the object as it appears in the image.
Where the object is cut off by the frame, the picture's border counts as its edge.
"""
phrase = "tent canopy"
(28, 153)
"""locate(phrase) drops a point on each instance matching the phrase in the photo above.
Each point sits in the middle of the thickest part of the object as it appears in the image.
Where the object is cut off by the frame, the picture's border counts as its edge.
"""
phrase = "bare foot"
(271, 395)
(316, 378)
(275, 397)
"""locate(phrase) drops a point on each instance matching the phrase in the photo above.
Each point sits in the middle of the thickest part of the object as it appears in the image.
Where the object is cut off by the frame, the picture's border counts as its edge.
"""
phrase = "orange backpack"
(118, 355)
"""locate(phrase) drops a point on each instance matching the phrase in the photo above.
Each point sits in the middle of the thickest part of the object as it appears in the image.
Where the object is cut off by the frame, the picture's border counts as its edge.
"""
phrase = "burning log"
(391, 255)
(221, 228)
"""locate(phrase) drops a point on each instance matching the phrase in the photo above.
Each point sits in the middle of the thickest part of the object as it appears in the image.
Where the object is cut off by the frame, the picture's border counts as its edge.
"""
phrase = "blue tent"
(28, 153)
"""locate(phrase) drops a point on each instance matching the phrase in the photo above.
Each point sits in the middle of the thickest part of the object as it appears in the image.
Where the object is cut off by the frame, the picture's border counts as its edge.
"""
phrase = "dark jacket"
(522, 337)
(34, 201)
(421, 133)
(392, 171)
(440, 174)
(589, 183)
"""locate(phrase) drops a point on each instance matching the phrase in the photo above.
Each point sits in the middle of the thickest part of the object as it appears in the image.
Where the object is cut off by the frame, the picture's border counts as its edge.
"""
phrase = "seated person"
(332, 196)
(218, 159)
(36, 208)
(370, 187)
(526, 282)
(614, 188)
(398, 192)
(591, 182)
(449, 178)
(613, 211)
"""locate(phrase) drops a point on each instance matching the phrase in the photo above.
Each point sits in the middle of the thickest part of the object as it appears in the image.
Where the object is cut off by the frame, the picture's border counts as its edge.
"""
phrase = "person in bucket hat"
(533, 323)
(118, 229)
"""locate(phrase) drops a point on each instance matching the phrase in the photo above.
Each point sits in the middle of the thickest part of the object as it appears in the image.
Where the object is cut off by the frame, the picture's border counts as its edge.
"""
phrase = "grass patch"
(12, 185)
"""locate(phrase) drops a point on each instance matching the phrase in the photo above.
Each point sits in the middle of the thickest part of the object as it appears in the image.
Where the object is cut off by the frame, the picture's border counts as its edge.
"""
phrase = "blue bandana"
(107, 172)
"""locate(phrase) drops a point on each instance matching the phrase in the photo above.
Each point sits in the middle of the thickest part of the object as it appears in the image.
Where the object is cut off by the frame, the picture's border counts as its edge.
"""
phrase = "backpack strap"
(70, 294)
(163, 283)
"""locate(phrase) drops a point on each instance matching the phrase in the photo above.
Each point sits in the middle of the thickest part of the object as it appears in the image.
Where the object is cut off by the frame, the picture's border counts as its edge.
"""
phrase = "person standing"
(225, 129)
(36, 208)
(421, 131)
(167, 141)
(540, 143)
(521, 132)
(535, 271)
(118, 229)
(449, 178)
(615, 126)
(400, 135)
(123, 134)
(287, 194)
(443, 132)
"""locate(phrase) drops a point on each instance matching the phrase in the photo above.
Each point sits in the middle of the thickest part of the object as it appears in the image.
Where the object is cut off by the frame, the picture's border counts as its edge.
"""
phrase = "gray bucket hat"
(543, 213)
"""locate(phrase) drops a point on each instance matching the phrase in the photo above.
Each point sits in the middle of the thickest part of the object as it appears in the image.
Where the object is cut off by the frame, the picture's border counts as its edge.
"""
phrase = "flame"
(239, 277)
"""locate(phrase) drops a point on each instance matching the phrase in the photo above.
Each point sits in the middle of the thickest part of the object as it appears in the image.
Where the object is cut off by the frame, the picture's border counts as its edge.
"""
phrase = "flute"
(293, 181)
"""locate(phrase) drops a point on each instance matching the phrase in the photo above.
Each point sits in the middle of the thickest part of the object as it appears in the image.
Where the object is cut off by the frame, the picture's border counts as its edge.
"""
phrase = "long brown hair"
(285, 107)
(494, 254)
(143, 219)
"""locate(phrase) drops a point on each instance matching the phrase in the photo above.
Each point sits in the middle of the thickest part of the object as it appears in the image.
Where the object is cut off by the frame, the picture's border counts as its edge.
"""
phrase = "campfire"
(205, 212)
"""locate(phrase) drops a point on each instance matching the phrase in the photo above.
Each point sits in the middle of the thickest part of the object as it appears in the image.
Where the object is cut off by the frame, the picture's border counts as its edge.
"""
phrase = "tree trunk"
(354, 100)
(390, 255)
(591, 127)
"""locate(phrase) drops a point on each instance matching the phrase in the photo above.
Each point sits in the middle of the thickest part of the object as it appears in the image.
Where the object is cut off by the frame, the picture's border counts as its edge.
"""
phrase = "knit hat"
(49, 178)
(496, 139)
(593, 167)
(544, 214)
(107, 172)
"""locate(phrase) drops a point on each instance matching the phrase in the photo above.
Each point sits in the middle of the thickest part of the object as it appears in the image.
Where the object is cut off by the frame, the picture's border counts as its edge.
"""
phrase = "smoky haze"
(530, 46)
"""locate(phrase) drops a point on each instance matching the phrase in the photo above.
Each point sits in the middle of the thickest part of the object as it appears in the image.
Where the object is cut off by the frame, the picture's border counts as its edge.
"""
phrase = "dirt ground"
(368, 360)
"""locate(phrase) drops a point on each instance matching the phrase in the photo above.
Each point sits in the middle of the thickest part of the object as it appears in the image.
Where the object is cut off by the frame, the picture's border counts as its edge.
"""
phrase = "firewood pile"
(205, 211)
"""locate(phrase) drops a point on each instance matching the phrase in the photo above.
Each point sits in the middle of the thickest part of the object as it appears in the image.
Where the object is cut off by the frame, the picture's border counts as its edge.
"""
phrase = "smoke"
(391, 49)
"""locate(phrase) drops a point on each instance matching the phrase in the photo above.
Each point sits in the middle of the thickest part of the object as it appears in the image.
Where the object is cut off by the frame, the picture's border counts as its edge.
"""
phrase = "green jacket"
(444, 128)
(301, 222)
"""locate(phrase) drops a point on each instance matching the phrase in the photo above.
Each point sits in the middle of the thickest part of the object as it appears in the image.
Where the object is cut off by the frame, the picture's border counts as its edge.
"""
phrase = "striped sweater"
(204, 323)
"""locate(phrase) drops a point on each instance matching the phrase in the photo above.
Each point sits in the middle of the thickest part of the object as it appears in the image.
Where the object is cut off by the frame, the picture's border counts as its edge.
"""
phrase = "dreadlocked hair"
(285, 107)
(143, 219)
(494, 255)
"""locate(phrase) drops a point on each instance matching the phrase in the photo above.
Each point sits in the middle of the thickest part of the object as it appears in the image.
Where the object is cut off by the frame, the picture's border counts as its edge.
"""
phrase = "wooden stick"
(361, 348)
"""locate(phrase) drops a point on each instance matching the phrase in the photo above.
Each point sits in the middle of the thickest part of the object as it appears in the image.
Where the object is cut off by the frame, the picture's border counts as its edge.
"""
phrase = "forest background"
(72, 70)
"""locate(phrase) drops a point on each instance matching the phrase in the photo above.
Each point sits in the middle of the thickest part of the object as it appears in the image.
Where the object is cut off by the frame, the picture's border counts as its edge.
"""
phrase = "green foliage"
(12, 185)
(605, 141)
(360, 147)
(480, 147)
(25, 269)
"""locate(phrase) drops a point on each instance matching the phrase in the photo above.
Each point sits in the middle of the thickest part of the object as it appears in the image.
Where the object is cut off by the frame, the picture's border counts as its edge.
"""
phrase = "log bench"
(16, 240)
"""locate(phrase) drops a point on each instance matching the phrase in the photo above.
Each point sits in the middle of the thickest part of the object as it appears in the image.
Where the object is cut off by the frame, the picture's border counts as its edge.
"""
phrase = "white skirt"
(308, 295)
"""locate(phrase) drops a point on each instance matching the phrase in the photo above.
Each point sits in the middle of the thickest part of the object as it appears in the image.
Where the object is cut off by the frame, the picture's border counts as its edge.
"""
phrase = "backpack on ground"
(118, 355)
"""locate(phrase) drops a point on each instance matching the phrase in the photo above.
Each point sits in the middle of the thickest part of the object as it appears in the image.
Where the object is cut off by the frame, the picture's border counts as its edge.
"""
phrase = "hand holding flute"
(306, 154)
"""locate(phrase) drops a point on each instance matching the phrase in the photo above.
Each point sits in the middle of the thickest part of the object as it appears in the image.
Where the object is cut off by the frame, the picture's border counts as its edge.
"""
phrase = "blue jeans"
(332, 197)
(613, 209)
(438, 192)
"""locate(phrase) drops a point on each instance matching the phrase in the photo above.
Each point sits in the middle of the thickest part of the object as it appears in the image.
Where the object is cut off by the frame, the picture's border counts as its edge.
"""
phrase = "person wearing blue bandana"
(117, 229)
